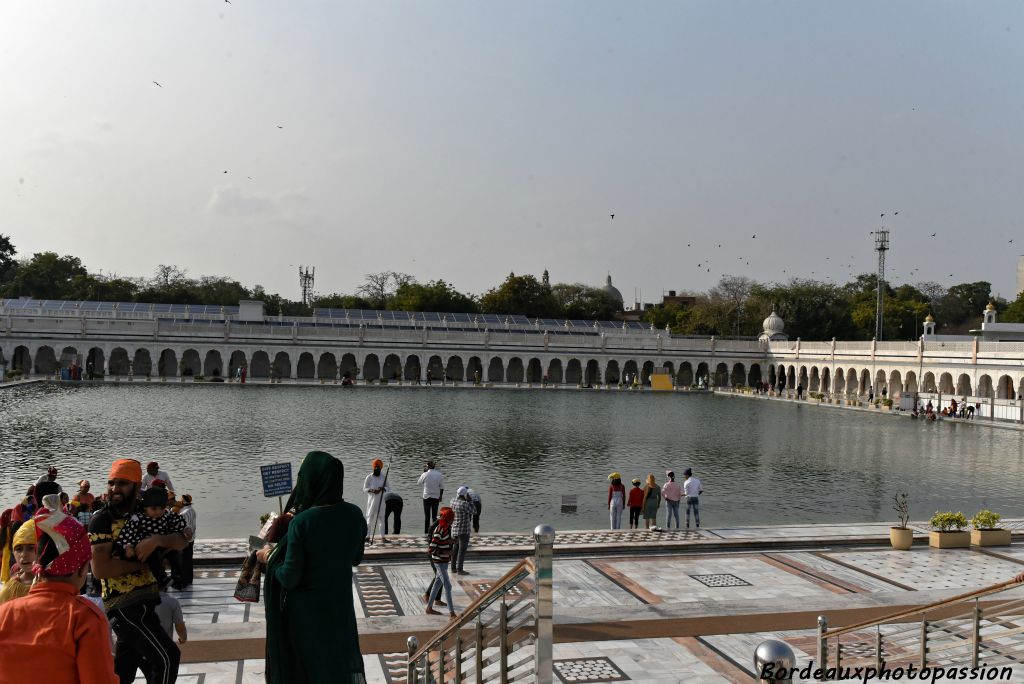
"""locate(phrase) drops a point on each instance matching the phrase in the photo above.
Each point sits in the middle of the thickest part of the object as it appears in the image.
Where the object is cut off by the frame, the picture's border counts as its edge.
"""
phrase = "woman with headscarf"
(616, 500)
(440, 549)
(652, 501)
(24, 554)
(308, 585)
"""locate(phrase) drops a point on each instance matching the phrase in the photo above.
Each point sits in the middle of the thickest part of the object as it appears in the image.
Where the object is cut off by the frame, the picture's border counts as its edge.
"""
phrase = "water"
(761, 462)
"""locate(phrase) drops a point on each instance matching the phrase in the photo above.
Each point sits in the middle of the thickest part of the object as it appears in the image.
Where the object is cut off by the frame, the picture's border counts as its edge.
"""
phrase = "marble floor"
(803, 576)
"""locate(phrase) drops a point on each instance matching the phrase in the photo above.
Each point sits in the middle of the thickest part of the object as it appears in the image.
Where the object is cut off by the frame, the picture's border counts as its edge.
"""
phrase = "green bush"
(887, 402)
(986, 520)
(948, 521)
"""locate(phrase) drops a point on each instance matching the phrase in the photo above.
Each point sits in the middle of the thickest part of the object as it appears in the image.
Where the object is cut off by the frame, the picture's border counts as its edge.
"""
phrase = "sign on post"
(277, 480)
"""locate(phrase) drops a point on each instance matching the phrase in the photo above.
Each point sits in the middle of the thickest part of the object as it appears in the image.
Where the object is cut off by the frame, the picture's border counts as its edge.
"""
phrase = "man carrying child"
(130, 592)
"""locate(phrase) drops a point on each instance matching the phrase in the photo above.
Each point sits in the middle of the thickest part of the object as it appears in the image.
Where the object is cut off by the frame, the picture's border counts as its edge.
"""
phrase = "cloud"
(291, 208)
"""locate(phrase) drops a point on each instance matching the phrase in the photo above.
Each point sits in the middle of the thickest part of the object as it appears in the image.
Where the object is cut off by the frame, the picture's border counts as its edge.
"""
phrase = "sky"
(465, 140)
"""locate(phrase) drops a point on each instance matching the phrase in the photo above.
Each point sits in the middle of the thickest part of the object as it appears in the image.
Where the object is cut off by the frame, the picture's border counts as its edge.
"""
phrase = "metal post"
(412, 644)
(923, 662)
(458, 658)
(975, 634)
(440, 660)
(503, 641)
(879, 660)
(822, 644)
(777, 654)
(544, 538)
(479, 650)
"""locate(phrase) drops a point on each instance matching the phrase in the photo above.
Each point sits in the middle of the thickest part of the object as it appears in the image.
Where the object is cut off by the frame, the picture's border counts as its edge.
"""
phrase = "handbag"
(248, 588)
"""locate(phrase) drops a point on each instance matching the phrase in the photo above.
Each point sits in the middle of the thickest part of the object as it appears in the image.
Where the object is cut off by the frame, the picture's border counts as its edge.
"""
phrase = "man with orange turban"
(375, 485)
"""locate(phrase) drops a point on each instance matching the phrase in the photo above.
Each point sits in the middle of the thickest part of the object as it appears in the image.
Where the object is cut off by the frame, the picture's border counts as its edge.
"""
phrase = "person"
(24, 553)
(440, 549)
(10, 522)
(672, 493)
(636, 504)
(800, 391)
(154, 519)
(430, 376)
(153, 472)
(463, 508)
(184, 557)
(393, 505)
(83, 499)
(375, 485)
(433, 489)
(308, 581)
(53, 634)
(616, 500)
(692, 488)
(128, 588)
(652, 501)
(171, 617)
(84, 514)
(49, 476)
(478, 508)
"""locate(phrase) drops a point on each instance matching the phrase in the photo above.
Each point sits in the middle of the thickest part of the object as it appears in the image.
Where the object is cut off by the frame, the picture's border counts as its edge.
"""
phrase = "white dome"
(773, 325)
(612, 290)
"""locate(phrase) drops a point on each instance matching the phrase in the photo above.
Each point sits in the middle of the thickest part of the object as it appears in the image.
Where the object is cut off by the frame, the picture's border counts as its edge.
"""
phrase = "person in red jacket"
(636, 504)
(53, 627)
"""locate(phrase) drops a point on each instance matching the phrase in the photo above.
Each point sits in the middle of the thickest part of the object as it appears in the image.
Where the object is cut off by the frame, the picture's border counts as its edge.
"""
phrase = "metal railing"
(962, 631)
(512, 615)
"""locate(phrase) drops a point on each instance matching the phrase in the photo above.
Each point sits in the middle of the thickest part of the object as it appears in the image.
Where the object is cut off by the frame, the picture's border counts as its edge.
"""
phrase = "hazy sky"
(464, 140)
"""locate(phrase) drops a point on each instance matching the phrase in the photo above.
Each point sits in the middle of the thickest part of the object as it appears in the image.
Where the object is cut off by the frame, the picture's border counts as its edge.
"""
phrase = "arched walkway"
(534, 371)
(167, 365)
(703, 374)
(574, 372)
(946, 383)
(348, 367)
(611, 372)
(21, 360)
(213, 365)
(305, 367)
(555, 371)
(754, 376)
(282, 367)
(629, 372)
(371, 367)
(475, 369)
(236, 362)
(515, 369)
(593, 374)
(911, 382)
(392, 370)
(435, 367)
(739, 375)
(1005, 388)
(684, 378)
(327, 366)
(895, 385)
(646, 373)
(142, 363)
(929, 383)
(721, 375)
(46, 360)
(496, 370)
(118, 364)
(826, 380)
(985, 387)
(455, 369)
(963, 385)
(412, 368)
(840, 384)
(259, 367)
(95, 361)
(814, 382)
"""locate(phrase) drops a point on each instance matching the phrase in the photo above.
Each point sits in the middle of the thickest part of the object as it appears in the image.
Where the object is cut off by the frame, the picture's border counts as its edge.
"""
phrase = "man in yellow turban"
(24, 553)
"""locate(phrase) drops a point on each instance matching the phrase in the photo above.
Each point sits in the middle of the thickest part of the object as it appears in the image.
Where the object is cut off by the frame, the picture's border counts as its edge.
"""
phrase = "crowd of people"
(645, 497)
(97, 566)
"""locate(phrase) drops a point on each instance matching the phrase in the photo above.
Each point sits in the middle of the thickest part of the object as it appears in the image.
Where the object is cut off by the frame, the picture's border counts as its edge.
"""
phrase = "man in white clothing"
(691, 490)
(153, 472)
(375, 486)
(433, 489)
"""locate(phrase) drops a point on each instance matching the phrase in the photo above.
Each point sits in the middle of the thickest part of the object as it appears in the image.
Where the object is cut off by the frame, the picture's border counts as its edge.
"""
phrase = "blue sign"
(277, 479)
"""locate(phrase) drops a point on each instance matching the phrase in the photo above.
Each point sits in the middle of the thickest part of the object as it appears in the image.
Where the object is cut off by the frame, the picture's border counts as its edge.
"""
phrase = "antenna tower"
(306, 276)
(881, 246)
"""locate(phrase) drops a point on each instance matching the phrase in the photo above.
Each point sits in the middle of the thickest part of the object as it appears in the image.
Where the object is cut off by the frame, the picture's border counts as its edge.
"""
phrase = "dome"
(929, 319)
(773, 325)
(612, 290)
(990, 307)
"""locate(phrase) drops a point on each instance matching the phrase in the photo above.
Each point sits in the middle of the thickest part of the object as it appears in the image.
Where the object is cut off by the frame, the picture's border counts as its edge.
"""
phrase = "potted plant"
(901, 537)
(949, 531)
(887, 403)
(986, 530)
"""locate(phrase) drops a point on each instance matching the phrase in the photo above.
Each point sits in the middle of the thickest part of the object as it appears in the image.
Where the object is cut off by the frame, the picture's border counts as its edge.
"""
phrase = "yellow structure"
(661, 380)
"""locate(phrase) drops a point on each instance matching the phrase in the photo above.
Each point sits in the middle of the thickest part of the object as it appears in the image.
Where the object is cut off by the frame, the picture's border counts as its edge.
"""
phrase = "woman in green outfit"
(652, 500)
(311, 622)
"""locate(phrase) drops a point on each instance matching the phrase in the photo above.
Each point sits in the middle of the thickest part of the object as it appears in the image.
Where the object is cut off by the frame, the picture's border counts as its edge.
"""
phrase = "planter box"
(949, 540)
(990, 537)
(901, 538)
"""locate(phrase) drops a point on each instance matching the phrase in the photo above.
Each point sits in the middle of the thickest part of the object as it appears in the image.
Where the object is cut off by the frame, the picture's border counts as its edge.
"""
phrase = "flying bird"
(753, 237)
(280, 126)
(933, 234)
(613, 217)
(158, 85)
(1011, 239)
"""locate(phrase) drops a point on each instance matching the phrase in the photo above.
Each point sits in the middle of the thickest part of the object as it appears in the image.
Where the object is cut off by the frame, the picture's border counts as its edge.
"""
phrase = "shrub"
(985, 520)
(902, 508)
(948, 521)
(887, 402)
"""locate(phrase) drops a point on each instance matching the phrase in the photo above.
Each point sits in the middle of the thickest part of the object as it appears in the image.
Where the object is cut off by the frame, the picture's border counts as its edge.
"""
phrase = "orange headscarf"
(445, 517)
(377, 463)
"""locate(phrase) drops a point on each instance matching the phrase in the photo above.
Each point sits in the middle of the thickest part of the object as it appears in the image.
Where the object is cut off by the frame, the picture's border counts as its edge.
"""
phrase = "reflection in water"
(761, 462)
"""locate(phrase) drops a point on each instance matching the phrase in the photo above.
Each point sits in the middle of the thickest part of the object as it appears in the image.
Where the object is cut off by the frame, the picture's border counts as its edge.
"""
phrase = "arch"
(791, 378)
(190, 363)
(611, 373)
(825, 384)
(592, 376)
(305, 367)
(738, 375)
(772, 377)
(1004, 388)
(754, 376)
(703, 373)
(684, 377)
(412, 368)
(534, 371)
(95, 361)
(259, 365)
(371, 367)
(814, 380)
(68, 356)
(646, 372)
(670, 368)
(455, 369)
(721, 375)
(895, 385)
(213, 365)
(118, 363)
(142, 363)
(574, 372)
(167, 364)
(435, 368)
(880, 382)
(46, 360)
(985, 387)
(804, 380)
(515, 369)
(911, 382)
(629, 372)
(555, 371)
(929, 382)
(327, 366)
(851, 381)
(282, 366)
(946, 383)
(963, 385)
(496, 370)
(474, 368)
(21, 360)
(865, 381)
(348, 368)
(840, 382)
(237, 362)
(392, 370)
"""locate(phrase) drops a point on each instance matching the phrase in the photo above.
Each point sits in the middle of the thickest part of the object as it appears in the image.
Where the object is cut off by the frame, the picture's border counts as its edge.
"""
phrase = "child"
(636, 504)
(156, 520)
(24, 543)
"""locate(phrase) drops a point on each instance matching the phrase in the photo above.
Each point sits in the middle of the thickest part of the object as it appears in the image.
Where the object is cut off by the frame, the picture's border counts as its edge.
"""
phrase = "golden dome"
(929, 319)
(990, 307)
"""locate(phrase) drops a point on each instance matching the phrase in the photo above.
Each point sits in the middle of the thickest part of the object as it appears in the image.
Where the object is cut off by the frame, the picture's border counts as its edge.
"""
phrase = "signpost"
(277, 481)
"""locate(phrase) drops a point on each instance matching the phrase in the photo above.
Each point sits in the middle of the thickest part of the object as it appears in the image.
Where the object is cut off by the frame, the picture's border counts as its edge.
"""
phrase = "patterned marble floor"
(396, 588)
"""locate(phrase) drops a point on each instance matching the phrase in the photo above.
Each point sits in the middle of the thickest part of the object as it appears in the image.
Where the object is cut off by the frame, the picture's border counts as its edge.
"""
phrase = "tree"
(7, 262)
(220, 290)
(45, 276)
(583, 302)
(340, 301)
(523, 295)
(378, 288)
(1014, 311)
(434, 296)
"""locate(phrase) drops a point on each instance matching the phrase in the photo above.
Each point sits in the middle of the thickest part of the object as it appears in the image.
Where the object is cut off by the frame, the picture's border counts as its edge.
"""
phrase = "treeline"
(812, 309)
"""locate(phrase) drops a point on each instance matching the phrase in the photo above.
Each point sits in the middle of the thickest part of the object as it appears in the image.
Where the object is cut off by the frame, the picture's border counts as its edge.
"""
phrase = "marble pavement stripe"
(804, 572)
(851, 566)
(860, 581)
(926, 568)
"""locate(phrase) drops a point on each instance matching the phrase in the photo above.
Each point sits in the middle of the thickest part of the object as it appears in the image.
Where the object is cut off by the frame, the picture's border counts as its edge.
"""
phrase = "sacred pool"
(522, 450)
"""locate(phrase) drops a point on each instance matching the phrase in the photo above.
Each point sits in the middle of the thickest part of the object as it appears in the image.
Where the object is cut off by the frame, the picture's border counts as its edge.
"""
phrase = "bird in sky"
(1011, 239)
(933, 234)
(225, 172)
(753, 237)
(228, 1)
(280, 126)
(613, 217)
(158, 85)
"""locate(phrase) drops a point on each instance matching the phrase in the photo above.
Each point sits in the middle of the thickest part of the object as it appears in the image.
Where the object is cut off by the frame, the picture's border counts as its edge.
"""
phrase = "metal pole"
(923, 663)
(822, 644)
(412, 644)
(879, 660)
(975, 634)
(544, 538)
(479, 650)
(458, 658)
(503, 641)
